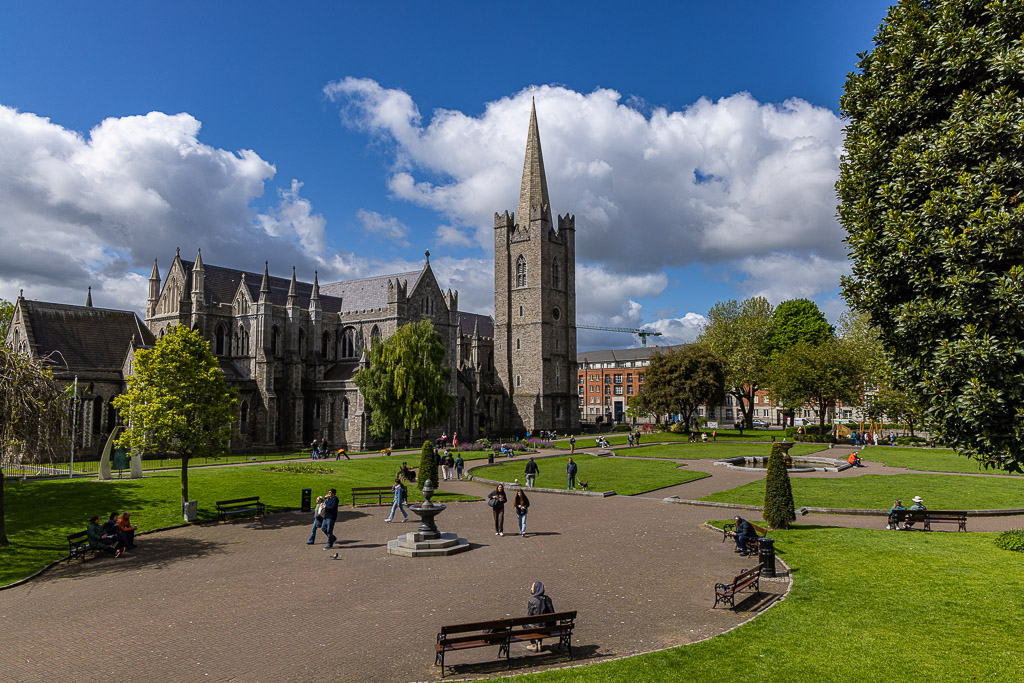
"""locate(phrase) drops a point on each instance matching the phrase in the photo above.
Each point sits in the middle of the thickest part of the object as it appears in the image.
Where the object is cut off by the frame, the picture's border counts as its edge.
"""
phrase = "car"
(760, 424)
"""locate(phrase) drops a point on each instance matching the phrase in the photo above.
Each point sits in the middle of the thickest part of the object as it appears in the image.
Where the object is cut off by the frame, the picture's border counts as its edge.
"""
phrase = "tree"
(178, 400)
(738, 332)
(33, 406)
(6, 315)
(405, 384)
(798, 320)
(680, 380)
(778, 492)
(429, 462)
(930, 197)
(816, 374)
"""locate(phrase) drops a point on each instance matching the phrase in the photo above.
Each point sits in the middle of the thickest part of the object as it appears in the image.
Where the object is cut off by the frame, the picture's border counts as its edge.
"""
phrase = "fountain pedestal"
(427, 540)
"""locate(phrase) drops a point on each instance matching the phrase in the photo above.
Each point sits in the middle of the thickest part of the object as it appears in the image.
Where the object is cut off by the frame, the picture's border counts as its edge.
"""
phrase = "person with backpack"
(531, 472)
(539, 603)
(459, 465)
(401, 493)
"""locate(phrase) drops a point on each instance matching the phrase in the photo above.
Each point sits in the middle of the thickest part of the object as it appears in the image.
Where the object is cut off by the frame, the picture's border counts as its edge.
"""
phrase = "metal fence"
(85, 468)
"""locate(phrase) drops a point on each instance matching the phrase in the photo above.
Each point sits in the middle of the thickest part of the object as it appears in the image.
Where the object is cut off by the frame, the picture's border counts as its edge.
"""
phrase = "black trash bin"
(307, 500)
(490, 458)
(767, 557)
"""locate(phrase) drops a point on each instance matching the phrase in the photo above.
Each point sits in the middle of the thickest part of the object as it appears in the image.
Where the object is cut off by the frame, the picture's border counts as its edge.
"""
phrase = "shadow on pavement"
(520, 663)
(151, 551)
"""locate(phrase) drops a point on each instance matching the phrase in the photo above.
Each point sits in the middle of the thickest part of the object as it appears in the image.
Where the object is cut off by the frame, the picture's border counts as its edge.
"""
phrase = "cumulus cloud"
(79, 210)
(718, 181)
(678, 330)
(780, 276)
(388, 227)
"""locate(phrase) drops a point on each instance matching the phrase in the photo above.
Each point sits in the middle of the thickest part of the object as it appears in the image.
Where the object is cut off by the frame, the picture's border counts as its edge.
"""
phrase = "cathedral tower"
(535, 304)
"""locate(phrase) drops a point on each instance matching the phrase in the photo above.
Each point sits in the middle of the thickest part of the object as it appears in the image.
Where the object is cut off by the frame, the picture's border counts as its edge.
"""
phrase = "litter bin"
(767, 557)
(490, 459)
(307, 499)
(191, 511)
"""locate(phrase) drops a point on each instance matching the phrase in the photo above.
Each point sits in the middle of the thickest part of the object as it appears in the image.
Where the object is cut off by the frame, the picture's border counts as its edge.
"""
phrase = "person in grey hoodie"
(540, 603)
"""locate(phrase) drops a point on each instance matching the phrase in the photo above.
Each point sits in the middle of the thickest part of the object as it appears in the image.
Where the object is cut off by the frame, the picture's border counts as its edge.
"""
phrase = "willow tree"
(406, 382)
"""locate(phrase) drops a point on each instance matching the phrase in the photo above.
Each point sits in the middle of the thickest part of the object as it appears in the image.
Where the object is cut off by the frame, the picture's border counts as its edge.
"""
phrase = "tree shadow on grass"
(152, 551)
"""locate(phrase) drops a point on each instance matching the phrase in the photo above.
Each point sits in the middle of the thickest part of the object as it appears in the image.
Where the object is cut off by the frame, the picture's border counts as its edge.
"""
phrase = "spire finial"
(88, 298)
(177, 252)
(427, 255)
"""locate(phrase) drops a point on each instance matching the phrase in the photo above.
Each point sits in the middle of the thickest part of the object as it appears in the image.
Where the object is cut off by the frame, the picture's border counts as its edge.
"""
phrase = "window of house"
(629, 389)
(640, 378)
(618, 391)
(608, 389)
(629, 377)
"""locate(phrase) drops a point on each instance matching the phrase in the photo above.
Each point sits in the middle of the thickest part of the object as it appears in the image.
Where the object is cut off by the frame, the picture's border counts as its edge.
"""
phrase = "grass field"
(876, 491)
(41, 513)
(716, 451)
(625, 477)
(933, 459)
(865, 606)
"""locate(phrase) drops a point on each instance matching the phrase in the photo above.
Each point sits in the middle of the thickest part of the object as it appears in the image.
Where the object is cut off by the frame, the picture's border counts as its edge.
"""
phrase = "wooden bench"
(504, 632)
(927, 517)
(753, 544)
(725, 593)
(78, 545)
(239, 506)
(370, 493)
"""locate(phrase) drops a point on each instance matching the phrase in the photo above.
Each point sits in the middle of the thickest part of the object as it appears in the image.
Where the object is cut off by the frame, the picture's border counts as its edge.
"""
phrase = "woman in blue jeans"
(522, 506)
(399, 503)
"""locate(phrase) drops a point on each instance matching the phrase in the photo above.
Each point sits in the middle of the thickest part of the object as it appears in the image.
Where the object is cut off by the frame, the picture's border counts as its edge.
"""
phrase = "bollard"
(307, 500)
(767, 557)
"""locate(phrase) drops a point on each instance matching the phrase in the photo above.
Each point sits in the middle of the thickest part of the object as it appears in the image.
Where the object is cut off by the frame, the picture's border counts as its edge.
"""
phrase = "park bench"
(380, 493)
(725, 593)
(239, 506)
(78, 545)
(753, 544)
(927, 517)
(504, 632)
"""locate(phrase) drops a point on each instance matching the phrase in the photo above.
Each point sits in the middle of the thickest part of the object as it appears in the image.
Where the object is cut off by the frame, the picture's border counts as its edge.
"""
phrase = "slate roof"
(619, 354)
(369, 292)
(484, 323)
(341, 371)
(87, 338)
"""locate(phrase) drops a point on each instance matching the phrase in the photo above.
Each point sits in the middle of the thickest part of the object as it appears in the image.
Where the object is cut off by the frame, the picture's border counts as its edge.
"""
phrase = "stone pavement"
(250, 601)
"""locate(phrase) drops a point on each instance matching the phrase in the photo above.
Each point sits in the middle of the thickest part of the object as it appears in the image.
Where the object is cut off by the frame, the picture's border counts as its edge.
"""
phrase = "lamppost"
(74, 423)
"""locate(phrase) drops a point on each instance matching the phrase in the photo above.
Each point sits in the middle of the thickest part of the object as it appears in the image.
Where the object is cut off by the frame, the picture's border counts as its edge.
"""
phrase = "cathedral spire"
(534, 189)
(265, 285)
(88, 298)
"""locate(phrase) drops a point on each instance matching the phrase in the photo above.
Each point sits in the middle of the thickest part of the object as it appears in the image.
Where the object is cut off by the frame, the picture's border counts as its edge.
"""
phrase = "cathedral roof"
(220, 285)
(367, 293)
(484, 324)
(87, 338)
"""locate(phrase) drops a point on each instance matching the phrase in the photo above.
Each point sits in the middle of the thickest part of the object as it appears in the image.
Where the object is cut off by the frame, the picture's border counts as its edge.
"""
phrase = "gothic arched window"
(521, 271)
(556, 275)
(243, 422)
(375, 333)
(273, 341)
(348, 343)
(220, 340)
(325, 340)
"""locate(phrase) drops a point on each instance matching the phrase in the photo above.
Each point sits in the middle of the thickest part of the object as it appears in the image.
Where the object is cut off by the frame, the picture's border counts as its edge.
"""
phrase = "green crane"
(643, 334)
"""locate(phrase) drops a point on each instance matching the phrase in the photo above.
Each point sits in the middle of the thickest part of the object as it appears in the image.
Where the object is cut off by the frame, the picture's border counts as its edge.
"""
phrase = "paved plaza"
(250, 601)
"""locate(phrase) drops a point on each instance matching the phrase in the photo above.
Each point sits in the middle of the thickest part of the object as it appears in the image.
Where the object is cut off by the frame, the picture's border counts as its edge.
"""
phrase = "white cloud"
(677, 330)
(781, 276)
(87, 210)
(388, 227)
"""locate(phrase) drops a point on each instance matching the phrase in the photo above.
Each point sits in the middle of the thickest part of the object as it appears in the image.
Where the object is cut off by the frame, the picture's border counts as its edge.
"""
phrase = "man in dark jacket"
(742, 532)
(538, 604)
(531, 472)
(330, 517)
(570, 471)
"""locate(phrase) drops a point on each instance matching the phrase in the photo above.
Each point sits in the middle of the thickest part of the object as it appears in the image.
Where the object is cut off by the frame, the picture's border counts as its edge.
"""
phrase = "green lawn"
(716, 451)
(877, 491)
(865, 606)
(933, 459)
(41, 513)
(625, 477)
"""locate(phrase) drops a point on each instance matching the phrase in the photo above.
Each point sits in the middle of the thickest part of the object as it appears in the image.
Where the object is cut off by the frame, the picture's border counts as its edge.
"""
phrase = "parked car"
(759, 424)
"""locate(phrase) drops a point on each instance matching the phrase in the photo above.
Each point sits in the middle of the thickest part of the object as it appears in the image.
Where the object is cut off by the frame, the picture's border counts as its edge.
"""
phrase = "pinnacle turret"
(534, 188)
(265, 285)
(293, 297)
(88, 298)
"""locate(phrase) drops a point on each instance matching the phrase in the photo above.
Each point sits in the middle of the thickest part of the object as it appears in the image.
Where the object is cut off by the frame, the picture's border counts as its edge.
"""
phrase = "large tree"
(816, 374)
(33, 411)
(406, 382)
(680, 380)
(177, 400)
(798, 320)
(930, 190)
(6, 315)
(739, 333)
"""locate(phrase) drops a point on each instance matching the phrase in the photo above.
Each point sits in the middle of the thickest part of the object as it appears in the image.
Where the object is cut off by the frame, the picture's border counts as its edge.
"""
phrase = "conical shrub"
(429, 462)
(778, 492)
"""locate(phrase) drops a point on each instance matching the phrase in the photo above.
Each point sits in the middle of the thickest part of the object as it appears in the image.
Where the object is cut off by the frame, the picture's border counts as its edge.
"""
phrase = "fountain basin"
(801, 463)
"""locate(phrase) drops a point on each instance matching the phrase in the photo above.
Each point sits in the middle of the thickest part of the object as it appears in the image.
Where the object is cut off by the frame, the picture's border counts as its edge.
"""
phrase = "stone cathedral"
(292, 347)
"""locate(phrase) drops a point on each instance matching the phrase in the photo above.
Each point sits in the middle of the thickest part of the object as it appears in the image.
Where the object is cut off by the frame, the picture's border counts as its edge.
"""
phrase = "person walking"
(459, 465)
(531, 472)
(330, 517)
(629, 437)
(444, 466)
(318, 519)
(539, 604)
(522, 505)
(570, 470)
(572, 444)
(636, 437)
(399, 501)
(496, 499)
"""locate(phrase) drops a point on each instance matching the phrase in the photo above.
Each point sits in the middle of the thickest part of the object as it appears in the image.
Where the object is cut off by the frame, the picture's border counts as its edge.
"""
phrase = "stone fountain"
(427, 540)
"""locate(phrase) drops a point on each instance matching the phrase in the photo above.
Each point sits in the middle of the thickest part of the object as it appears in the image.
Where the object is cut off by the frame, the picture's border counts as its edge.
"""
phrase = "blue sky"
(695, 142)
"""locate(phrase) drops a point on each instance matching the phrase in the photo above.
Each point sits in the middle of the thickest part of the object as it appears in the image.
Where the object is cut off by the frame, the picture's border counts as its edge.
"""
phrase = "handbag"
(493, 502)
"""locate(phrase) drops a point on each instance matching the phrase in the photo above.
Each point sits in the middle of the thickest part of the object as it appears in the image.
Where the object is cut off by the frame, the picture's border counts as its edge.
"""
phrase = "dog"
(584, 486)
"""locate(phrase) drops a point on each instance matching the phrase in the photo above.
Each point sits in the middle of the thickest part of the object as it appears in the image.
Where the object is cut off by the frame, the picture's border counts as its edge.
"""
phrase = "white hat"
(917, 499)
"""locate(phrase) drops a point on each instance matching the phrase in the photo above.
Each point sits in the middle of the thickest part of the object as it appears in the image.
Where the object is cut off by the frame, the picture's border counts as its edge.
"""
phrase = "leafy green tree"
(429, 462)
(930, 197)
(798, 320)
(33, 408)
(178, 400)
(739, 332)
(778, 492)
(406, 383)
(6, 315)
(680, 380)
(816, 374)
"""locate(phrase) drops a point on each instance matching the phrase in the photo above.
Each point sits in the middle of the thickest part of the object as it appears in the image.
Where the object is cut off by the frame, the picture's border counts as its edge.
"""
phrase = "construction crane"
(643, 334)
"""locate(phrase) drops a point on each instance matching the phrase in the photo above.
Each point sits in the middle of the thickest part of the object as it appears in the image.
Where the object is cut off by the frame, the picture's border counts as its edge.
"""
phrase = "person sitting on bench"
(742, 533)
(126, 529)
(107, 543)
(893, 517)
(918, 505)
(406, 473)
(539, 604)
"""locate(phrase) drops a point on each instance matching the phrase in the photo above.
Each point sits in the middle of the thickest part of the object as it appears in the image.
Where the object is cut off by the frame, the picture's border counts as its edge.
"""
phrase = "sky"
(697, 144)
